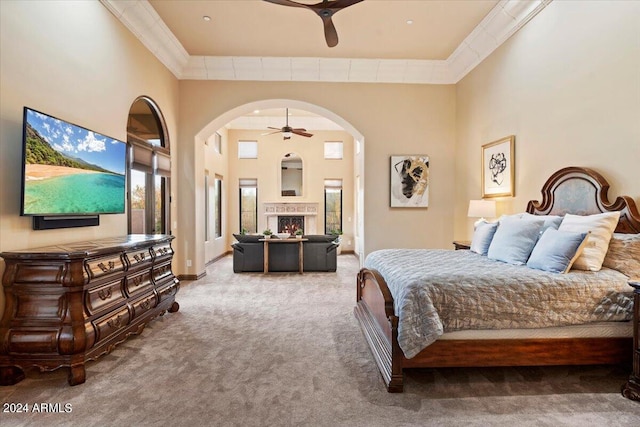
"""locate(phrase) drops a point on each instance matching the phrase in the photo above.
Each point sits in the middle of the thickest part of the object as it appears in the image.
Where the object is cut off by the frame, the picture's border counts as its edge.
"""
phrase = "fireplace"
(292, 215)
(289, 224)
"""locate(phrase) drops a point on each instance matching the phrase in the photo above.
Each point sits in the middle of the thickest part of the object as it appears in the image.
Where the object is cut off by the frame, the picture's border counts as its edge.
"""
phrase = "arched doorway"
(149, 171)
(354, 222)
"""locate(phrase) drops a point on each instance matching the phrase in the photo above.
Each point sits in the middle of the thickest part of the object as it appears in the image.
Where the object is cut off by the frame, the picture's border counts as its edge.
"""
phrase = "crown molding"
(507, 17)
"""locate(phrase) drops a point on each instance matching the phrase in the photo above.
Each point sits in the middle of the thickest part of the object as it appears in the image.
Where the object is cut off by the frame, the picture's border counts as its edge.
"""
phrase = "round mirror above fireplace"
(291, 175)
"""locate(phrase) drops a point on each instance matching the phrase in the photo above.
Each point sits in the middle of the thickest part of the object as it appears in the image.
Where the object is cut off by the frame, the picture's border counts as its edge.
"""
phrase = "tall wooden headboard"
(583, 191)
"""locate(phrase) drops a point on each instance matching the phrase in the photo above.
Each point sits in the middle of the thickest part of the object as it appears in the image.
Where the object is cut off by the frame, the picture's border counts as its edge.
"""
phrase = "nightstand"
(462, 244)
(631, 390)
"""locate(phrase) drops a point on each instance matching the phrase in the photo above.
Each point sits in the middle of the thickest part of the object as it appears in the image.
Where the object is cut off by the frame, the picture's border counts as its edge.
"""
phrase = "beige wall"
(567, 85)
(73, 60)
(316, 169)
(393, 118)
(216, 165)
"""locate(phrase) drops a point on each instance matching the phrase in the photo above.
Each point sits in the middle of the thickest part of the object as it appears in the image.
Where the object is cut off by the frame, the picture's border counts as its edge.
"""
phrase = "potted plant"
(299, 233)
(338, 233)
(267, 233)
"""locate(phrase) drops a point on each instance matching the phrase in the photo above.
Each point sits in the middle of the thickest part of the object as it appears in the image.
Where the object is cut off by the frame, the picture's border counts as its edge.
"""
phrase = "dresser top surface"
(91, 247)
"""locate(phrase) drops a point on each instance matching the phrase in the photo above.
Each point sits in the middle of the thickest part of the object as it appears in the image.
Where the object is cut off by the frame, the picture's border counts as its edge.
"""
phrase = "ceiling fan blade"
(270, 133)
(299, 129)
(330, 33)
(341, 4)
(271, 127)
(288, 3)
(301, 133)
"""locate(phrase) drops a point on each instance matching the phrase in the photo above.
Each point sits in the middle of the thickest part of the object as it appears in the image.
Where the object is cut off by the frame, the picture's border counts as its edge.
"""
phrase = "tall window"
(217, 198)
(149, 169)
(217, 143)
(207, 209)
(333, 206)
(249, 205)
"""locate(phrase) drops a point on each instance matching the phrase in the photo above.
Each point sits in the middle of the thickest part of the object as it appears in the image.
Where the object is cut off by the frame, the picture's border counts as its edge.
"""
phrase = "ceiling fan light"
(287, 135)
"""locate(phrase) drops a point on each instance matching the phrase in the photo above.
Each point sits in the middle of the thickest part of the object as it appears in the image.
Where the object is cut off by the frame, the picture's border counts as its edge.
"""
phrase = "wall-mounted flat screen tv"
(70, 170)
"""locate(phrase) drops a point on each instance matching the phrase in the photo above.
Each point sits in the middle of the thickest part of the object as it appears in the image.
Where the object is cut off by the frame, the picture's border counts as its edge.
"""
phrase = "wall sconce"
(481, 209)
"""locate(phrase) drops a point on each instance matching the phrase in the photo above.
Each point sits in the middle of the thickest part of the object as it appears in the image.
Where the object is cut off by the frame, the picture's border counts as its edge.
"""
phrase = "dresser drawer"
(162, 272)
(143, 305)
(138, 257)
(112, 323)
(139, 282)
(104, 296)
(162, 251)
(167, 290)
(98, 267)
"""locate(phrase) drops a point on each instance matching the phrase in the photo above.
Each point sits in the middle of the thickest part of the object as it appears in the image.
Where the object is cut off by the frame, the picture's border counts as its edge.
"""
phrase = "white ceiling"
(257, 40)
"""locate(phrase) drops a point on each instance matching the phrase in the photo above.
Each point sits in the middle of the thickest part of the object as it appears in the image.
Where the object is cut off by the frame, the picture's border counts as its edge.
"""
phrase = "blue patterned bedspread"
(437, 291)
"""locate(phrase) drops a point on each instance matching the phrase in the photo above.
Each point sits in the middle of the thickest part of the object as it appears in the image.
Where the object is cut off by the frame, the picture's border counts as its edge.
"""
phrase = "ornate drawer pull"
(139, 257)
(104, 294)
(137, 280)
(145, 304)
(115, 323)
(107, 268)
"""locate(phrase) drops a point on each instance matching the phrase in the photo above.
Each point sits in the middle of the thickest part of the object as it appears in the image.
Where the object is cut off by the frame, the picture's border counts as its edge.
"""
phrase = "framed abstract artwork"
(498, 168)
(409, 181)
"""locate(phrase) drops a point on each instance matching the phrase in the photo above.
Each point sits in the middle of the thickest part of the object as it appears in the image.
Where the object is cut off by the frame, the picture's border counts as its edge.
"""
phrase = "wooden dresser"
(67, 304)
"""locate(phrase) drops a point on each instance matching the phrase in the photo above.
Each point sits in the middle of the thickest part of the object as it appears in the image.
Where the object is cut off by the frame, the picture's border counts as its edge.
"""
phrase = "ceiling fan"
(325, 10)
(288, 131)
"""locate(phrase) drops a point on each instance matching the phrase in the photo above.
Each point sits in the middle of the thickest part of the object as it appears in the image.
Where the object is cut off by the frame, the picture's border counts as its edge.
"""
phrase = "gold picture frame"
(498, 168)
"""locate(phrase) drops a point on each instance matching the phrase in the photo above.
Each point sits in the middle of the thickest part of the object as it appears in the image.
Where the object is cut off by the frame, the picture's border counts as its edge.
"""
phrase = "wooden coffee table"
(267, 242)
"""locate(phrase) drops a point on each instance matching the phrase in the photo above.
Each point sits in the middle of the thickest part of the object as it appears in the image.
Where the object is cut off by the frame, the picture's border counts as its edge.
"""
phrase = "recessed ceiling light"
(206, 18)
(256, 111)
(409, 21)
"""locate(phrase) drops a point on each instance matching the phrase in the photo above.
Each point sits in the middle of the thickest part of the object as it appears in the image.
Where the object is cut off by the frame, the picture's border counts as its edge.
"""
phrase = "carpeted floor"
(286, 350)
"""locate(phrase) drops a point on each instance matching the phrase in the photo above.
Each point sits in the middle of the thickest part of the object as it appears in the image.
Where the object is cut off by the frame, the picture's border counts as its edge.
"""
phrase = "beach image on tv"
(70, 169)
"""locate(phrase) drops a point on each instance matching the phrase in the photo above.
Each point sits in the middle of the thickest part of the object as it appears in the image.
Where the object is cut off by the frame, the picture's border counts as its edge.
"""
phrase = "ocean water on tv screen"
(85, 193)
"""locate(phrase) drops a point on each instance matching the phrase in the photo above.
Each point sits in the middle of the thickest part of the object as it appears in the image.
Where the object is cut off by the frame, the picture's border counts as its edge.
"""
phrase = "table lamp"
(481, 209)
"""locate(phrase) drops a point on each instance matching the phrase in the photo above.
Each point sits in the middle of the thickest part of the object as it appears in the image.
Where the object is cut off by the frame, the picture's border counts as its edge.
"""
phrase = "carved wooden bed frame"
(375, 307)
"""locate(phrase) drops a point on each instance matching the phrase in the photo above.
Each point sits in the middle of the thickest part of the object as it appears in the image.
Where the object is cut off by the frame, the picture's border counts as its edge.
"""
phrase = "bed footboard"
(375, 313)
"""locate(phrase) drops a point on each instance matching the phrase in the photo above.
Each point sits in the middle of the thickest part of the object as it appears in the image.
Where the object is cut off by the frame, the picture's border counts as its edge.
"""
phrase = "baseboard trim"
(190, 277)
(218, 258)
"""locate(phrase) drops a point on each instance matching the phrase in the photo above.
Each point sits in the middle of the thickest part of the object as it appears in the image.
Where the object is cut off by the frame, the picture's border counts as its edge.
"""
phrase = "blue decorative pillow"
(482, 237)
(557, 250)
(514, 240)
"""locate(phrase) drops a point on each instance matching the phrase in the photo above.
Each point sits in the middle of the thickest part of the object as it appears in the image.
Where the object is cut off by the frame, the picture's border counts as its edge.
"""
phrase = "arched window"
(149, 169)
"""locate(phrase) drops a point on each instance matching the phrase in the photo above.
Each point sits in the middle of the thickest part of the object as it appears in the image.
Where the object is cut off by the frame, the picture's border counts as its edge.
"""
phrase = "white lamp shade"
(482, 209)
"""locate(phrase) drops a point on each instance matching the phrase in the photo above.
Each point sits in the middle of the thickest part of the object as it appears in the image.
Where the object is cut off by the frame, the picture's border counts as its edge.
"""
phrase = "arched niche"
(291, 175)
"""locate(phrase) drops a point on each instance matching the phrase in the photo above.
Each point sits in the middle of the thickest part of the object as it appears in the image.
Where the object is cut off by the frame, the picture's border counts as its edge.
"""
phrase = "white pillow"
(601, 227)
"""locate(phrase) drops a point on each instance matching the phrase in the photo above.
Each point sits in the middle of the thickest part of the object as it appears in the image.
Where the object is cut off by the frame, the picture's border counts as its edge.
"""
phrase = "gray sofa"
(319, 253)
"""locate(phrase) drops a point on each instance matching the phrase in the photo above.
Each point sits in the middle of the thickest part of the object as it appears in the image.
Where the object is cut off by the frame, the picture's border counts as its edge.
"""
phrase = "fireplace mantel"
(290, 208)
(308, 210)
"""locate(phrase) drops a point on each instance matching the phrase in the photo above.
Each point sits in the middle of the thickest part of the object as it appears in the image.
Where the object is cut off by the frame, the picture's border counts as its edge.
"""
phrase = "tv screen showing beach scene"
(70, 170)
